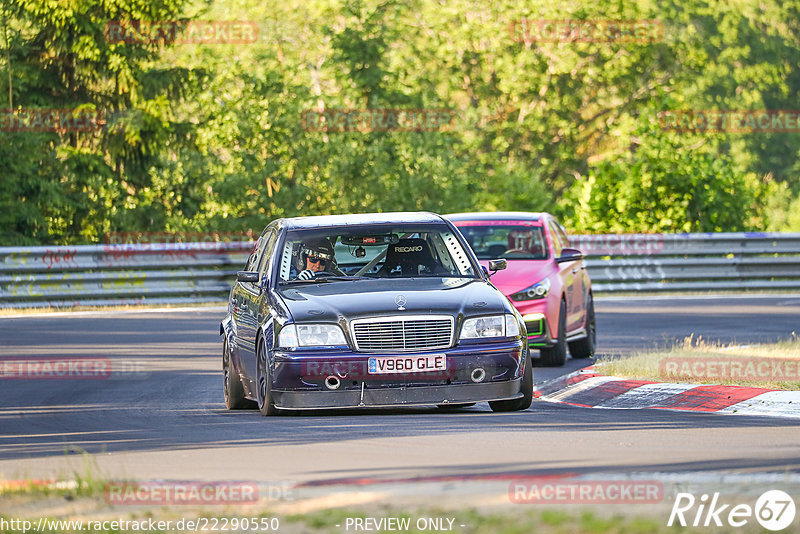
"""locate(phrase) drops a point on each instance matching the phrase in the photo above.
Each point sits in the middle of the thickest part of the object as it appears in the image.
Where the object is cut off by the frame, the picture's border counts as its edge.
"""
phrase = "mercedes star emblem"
(400, 300)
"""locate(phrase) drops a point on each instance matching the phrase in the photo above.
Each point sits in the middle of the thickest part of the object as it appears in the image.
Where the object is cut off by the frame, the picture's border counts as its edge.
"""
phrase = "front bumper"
(397, 396)
(537, 314)
(538, 331)
(299, 378)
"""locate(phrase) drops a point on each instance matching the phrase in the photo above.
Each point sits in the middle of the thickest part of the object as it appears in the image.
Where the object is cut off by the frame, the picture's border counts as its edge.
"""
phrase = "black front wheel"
(556, 356)
(266, 405)
(585, 347)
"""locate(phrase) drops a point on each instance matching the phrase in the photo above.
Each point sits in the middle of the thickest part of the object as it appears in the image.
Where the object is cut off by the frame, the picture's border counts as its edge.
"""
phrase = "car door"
(253, 298)
(577, 313)
(565, 273)
(238, 306)
(245, 327)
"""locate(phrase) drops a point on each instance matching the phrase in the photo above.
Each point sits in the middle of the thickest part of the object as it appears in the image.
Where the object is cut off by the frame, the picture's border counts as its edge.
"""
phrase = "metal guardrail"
(120, 274)
(691, 262)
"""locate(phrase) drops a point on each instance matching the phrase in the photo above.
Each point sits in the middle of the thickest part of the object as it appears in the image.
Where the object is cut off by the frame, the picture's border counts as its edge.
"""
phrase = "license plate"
(382, 365)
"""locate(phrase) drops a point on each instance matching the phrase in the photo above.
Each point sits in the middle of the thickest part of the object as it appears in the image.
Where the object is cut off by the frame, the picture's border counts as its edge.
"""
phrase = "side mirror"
(497, 265)
(247, 276)
(569, 254)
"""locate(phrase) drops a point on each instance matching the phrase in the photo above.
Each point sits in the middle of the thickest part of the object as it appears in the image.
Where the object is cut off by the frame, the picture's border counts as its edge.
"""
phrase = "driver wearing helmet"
(316, 255)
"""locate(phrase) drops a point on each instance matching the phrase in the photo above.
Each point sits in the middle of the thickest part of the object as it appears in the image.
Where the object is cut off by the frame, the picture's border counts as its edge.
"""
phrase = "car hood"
(520, 274)
(348, 300)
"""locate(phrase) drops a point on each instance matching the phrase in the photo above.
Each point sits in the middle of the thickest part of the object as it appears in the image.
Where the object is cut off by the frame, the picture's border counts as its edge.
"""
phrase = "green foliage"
(665, 183)
(73, 186)
(211, 136)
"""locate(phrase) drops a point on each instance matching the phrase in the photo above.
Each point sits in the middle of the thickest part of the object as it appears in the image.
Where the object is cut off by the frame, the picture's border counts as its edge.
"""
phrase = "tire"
(523, 403)
(556, 356)
(231, 383)
(584, 348)
(454, 407)
(266, 405)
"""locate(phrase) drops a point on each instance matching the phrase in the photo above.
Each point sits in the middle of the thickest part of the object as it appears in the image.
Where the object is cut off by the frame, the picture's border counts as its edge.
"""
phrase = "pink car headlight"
(538, 290)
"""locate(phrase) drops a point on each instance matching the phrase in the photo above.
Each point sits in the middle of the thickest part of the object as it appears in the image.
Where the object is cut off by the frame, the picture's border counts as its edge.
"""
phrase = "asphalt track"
(170, 423)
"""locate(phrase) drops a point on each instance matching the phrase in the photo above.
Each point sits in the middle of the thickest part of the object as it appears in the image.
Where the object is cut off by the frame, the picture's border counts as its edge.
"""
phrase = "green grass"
(508, 519)
(652, 365)
(522, 520)
(83, 481)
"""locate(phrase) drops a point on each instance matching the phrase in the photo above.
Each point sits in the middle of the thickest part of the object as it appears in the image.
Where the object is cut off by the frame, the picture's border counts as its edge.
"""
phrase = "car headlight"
(538, 290)
(491, 326)
(310, 335)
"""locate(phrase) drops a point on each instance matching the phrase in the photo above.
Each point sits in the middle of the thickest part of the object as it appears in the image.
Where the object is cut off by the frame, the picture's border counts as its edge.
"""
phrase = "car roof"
(496, 216)
(400, 217)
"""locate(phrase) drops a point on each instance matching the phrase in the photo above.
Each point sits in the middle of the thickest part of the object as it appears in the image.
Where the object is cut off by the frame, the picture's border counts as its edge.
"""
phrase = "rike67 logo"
(774, 510)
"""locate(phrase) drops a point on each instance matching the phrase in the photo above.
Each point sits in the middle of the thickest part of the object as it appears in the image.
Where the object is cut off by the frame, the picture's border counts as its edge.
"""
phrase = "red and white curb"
(593, 390)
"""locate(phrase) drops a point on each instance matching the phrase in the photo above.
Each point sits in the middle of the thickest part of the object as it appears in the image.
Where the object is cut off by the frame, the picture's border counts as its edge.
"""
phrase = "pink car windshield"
(506, 240)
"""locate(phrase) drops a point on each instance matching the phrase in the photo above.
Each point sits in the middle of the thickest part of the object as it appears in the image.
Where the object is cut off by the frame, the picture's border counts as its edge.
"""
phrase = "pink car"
(545, 279)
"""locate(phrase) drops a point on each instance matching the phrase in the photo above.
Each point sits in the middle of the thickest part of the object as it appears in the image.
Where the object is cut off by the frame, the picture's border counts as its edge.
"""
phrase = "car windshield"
(373, 251)
(511, 240)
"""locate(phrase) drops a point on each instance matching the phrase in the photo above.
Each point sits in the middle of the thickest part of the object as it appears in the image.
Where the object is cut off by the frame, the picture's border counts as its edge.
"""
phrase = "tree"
(76, 185)
(667, 182)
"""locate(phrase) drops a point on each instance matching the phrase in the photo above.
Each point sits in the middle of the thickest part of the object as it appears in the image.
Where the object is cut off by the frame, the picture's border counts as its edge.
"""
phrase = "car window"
(562, 233)
(511, 240)
(377, 251)
(556, 238)
(254, 261)
(255, 255)
(269, 248)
